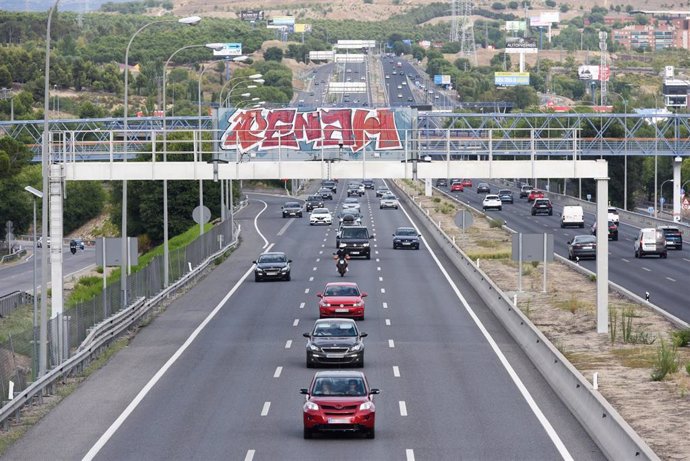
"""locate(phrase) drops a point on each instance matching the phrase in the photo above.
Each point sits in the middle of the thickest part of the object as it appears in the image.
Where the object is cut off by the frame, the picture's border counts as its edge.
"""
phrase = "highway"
(453, 383)
(19, 276)
(664, 279)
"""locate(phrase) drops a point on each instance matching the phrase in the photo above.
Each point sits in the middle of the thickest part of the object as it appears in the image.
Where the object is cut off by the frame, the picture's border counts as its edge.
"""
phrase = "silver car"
(388, 201)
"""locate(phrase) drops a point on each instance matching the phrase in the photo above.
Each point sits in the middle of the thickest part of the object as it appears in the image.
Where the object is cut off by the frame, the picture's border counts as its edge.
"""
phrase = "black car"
(292, 209)
(406, 237)
(613, 230)
(441, 182)
(542, 206)
(582, 246)
(330, 184)
(368, 184)
(274, 265)
(355, 241)
(483, 188)
(335, 342)
(326, 193)
(674, 238)
(506, 195)
(313, 201)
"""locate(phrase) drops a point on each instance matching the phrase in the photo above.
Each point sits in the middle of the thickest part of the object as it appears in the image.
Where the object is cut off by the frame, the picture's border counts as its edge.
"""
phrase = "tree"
(273, 54)
(498, 6)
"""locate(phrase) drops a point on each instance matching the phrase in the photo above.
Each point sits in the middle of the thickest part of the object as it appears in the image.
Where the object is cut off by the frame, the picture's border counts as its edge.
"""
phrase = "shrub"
(666, 361)
(494, 223)
(681, 338)
(687, 368)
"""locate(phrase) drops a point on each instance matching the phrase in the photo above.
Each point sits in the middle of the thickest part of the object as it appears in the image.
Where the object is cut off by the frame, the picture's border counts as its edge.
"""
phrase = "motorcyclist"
(341, 255)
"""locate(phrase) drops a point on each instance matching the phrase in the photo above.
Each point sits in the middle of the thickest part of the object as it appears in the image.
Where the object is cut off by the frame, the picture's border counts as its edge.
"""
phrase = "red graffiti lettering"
(245, 131)
(280, 131)
(337, 127)
(376, 124)
(308, 126)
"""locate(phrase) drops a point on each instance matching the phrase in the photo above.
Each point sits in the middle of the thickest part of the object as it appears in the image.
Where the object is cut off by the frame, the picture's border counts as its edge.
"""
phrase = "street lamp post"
(625, 148)
(661, 192)
(35, 355)
(255, 78)
(7, 94)
(166, 249)
(124, 260)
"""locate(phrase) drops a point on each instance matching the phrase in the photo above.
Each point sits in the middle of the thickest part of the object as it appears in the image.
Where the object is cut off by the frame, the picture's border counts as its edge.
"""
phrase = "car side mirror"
(289, 260)
(375, 391)
(419, 235)
(306, 335)
(364, 295)
(319, 295)
(363, 335)
(304, 391)
(372, 236)
(253, 262)
(569, 242)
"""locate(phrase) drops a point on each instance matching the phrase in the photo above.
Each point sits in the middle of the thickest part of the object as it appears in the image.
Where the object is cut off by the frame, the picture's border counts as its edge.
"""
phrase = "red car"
(467, 183)
(341, 299)
(535, 194)
(339, 401)
(457, 187)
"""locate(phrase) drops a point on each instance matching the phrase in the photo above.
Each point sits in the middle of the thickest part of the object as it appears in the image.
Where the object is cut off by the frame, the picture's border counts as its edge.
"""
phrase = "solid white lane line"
(645, 269)
(284, 228)
(256, 225)
(264, 410)
(311, 279)
(279, 370)
(409, 455)
(107, 435)
(669, 278)
(288, 343)
(295, 323)
(380, 279)
(396, 371)
(403, 408)
(250, 456)
(391, 343)
(301, 305)
(388, 322)
(548, 428)
(383, 290)
(306, 291)
(385, 305)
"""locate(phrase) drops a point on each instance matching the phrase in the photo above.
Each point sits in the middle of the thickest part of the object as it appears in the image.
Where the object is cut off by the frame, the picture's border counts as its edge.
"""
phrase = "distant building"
(658, 35)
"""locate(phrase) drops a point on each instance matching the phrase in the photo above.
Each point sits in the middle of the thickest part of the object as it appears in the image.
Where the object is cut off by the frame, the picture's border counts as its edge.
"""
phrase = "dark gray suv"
(355, 241)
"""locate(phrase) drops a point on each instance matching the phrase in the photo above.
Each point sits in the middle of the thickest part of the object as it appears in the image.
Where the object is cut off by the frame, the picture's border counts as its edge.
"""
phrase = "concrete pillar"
(677, 163)
(56, 298)
(602, 256)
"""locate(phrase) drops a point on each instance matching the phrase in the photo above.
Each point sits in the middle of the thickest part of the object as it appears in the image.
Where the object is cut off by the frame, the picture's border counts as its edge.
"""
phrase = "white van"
(572, 216)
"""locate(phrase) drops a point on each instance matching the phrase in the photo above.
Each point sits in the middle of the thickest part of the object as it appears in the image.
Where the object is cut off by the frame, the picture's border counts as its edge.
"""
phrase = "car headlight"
(285, 269)
(358, 304)
(313, 348)
(314, 407)
(325, 304)
(343, 245)
(357, 347)
(366, 244)
(396, 240)
(260, 270)
(363, 406)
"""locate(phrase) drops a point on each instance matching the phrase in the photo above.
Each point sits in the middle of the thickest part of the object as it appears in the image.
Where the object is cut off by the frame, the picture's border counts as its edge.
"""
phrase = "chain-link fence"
(18, 356)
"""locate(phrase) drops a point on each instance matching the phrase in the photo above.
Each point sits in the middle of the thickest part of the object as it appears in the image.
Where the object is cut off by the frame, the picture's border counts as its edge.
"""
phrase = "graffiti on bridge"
(352, 129)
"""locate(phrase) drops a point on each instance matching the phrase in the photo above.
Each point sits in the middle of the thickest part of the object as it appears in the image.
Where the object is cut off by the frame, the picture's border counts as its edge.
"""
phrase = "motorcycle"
(341, 264)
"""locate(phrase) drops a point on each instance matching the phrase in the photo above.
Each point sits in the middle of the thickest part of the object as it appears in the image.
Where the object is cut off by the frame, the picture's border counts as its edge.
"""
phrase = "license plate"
(334, 356)
(342, 310)
(354, 252)
(338, 420)
(587, 248)
(271, 273)
(406, 243)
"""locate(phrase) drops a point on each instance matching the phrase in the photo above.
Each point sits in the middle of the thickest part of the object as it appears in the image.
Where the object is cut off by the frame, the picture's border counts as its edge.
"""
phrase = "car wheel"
(664, 255)
(615, 237)
(416, 247)
(395, 247)
(300, 215)
(680, 247)
(311, 223)
(380, 208)
(371, 433)
(360, 362)
(570, 257)
(368, 255)
(257, 278)
(309, 361)
(550, 213)
(287, 277)
(308, 434)
(500, 208)
(360, 318)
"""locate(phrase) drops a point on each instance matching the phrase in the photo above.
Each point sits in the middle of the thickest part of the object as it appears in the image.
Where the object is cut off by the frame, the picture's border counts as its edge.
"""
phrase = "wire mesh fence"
(19, 351)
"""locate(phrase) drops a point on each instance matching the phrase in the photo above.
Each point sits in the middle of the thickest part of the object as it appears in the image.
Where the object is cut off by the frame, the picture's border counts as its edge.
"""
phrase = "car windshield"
(350, 200)
(340, 290)
(504, 192)
(585, 239)
(356, 234)
(339, 387)
(406, 232)
(272, 259)
(320, 211)
(314, 198)
(337, 329)
(389, 197)
(292, 205)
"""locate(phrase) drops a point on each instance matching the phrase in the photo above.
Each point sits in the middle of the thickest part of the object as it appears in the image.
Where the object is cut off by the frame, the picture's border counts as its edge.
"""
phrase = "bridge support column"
(677, 163)
(602, 256)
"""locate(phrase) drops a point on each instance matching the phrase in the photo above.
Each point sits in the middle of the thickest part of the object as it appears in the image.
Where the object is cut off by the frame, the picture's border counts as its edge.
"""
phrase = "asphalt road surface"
(453, 383)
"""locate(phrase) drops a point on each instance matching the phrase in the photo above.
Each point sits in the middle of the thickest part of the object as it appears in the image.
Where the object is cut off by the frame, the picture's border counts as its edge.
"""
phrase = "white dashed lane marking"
(279, 370)
(301, 305)
(264, 410)
(396, 371)
(669, 278)
(383, 290)
(380, 279)
(250, 456)
(311, 279)
(409, 455)
(378, 268)
(385, 305)
(306, 291)
(403, 408)
(625, 260)
(645, 269)
(295, 323)
(391, 343)
(288, 343)
(388, 322)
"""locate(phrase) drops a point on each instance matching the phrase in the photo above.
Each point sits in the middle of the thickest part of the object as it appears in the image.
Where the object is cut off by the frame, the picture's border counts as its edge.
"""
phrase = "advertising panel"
(282, 21)
(536, 21)
(524, 46)
(302, 28)
(229, 49)
(511, 78)
(516, 26)
(290, 129)
(252, 15)
(321, 55)
(442, 79)
(550, 16)
(593, 73)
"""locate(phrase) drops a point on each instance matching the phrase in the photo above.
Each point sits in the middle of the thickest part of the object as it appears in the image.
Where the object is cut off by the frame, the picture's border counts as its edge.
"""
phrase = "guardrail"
(612, 434)
(11, 301)
(99, 337)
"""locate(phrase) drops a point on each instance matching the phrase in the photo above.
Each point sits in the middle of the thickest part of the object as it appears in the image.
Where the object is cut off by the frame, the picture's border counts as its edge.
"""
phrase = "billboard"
(302, 28)
(550, 16)
(593, 73)
(523, 46)
(282, 21)
(252, 15)
(441, 79)
(229, 49)
(536, 21)
(516, 25)
(321, 55)
(511, 78)
(288, 128)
